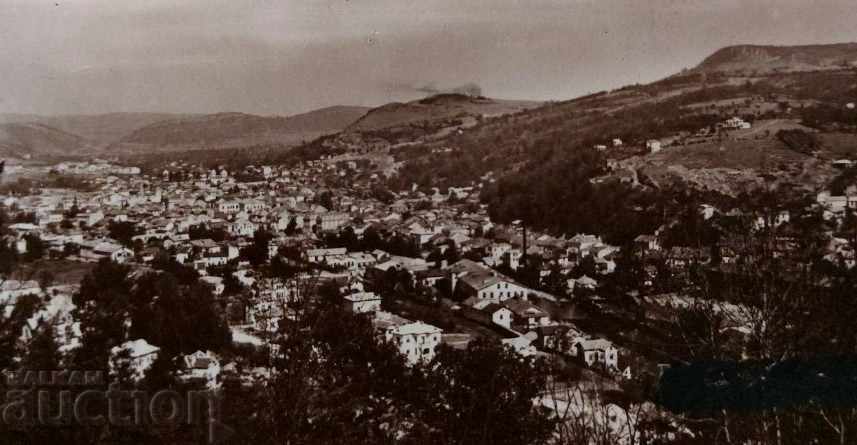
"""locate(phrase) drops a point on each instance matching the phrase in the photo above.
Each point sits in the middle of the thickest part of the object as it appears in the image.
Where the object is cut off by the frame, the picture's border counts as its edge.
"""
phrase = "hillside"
(421, 121)
(541, 165)
(37, 140)
(237, 129)
(435, 108)
(756, 59)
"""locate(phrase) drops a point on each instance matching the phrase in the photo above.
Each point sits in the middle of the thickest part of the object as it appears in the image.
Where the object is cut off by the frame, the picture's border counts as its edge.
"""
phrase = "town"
(428, 222)
(428, 270)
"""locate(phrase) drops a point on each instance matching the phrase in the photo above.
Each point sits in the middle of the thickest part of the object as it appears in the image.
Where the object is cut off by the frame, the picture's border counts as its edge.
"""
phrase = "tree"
(42, 351)
(122, 231)
(484, 395)
(8, 258)
(178, 318)
(257, 252)
(326, 199)
(45, 279)
(35, 247)
(11, 326)
(102, 304)
(292, 227)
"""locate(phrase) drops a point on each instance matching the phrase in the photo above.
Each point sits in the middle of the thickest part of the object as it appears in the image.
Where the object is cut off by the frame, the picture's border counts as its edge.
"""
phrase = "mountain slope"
(757, 59)
(541, 165)
(37, 140)
(239, 129)
(421, 121)
(434, 108)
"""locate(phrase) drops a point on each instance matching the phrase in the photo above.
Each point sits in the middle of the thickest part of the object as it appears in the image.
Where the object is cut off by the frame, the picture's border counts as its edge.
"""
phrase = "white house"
(653, 145)
(138, 355)
(332, 221)
(10, 290)
(598, 352)
(500, 315)
(475, 280)
(229, 206)
(202, 366)
(522, 345)
(115, 252)
(417, 341)
(318, 255)
(216, 283)
(243, 227)
(526, 314)
(363, 302)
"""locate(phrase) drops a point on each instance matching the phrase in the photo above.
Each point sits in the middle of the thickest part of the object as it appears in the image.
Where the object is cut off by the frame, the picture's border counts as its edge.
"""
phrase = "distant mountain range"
(38, 136)
(135, 133)
(423, 120)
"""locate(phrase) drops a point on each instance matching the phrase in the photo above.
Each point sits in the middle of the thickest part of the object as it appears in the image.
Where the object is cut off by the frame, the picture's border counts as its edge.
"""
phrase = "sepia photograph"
(428, 222)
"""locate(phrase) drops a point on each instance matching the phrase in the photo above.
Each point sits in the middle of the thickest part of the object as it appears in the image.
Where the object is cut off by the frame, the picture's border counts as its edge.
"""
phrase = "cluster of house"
(205, 218)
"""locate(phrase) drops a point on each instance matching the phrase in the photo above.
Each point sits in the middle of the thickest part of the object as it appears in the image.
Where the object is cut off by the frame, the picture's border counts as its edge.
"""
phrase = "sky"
(290, 56)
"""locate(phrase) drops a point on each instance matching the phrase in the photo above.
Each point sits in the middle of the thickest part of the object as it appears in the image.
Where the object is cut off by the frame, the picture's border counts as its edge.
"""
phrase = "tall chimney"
(524, 253)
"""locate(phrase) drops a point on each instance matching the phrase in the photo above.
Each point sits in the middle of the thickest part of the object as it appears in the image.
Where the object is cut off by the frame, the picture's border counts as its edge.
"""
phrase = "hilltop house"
(653, 145)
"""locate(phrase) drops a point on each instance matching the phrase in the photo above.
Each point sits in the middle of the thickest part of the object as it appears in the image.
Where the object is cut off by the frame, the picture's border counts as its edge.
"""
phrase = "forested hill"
(542, 166)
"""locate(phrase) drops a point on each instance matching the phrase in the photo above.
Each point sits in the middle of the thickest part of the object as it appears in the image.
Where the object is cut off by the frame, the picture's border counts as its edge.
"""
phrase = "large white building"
(417, 341)
(472, 279)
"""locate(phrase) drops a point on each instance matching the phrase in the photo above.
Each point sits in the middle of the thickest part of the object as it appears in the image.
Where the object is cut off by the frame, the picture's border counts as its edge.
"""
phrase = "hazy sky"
(288, 56)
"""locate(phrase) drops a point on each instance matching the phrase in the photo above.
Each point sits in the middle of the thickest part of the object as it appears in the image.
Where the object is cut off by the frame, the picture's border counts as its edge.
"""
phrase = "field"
(746, 159)
(840, 144)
